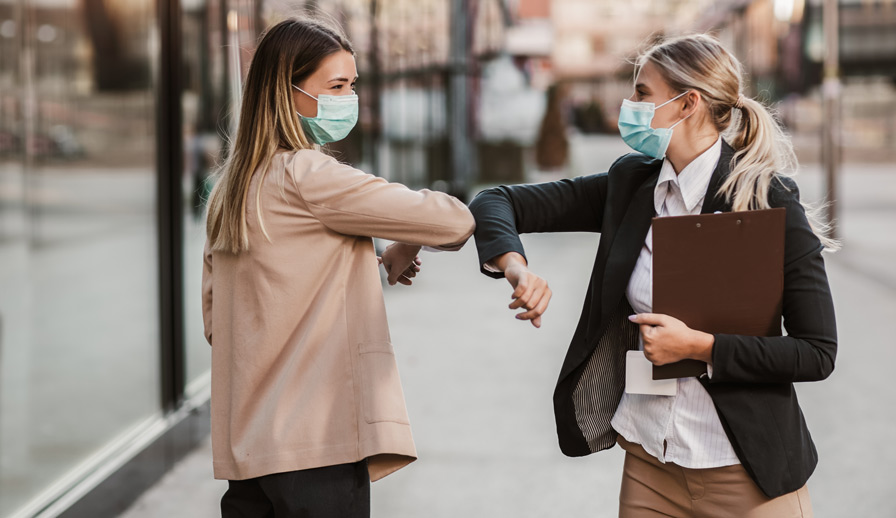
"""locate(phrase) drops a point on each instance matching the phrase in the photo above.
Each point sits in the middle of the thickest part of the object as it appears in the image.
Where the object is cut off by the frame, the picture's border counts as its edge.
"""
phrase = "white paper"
(639, 377)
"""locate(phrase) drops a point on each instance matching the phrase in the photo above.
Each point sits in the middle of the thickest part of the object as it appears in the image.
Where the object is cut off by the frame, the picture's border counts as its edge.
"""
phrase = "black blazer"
(752, 382)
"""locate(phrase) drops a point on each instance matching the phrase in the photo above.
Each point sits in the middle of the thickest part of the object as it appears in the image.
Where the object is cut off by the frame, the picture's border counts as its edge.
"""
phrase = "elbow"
(822, 362)
(826, 362)
(485, 197)
(460, 233)
(466, 227)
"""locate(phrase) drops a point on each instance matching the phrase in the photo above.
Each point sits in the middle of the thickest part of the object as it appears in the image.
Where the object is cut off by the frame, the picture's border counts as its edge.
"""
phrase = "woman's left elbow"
(826, 360)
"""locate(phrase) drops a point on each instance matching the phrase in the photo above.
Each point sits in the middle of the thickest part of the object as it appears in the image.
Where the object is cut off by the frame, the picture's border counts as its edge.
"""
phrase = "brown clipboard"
(719, 273)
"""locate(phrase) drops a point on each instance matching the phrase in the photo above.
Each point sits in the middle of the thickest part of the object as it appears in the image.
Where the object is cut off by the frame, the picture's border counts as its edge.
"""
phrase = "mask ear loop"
(304, 92)
(682, 120)
(667, 102)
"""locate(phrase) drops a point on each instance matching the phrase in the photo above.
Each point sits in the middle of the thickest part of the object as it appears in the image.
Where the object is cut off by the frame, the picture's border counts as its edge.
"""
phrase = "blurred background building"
(113, 114)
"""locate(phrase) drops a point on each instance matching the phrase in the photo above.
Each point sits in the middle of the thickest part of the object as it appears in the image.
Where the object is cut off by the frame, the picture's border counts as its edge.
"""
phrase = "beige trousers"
(651, 489)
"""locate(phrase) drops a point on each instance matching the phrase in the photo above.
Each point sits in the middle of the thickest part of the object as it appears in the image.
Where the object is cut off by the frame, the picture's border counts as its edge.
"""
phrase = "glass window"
(217, 46)
(79, 339)
(205, 111)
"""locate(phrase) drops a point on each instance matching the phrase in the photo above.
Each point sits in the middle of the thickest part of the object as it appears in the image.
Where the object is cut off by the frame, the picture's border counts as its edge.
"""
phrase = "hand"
(401, 263)
(668, 340)
(529, 290)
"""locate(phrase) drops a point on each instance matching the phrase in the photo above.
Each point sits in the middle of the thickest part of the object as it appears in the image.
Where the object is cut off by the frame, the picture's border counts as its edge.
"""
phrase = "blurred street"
(478, 383)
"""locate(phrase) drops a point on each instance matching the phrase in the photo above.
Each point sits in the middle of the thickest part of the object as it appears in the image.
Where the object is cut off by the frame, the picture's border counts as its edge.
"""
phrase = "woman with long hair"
(733, 442)
(307, 406)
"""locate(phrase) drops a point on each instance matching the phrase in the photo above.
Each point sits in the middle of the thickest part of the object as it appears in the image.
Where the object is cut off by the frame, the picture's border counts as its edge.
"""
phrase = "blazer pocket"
(382, 399)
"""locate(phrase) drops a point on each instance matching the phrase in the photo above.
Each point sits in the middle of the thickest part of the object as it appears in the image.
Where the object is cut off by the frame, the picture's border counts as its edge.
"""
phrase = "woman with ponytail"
(306, 404)
(702, 147)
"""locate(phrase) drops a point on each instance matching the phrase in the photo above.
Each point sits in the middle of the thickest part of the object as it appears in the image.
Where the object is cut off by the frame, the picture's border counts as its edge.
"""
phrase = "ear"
(692, 100)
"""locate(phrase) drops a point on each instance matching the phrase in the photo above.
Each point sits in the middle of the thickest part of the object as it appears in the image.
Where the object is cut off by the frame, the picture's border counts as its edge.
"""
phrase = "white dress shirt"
(684, 428)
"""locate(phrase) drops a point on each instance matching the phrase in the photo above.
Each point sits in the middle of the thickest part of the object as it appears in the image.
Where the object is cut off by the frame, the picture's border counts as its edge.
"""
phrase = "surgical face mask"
(634, 126)
(336, 116)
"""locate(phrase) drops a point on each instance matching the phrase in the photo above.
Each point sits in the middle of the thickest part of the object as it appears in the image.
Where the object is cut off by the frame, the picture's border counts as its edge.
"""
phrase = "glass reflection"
(78, 243)
(205, 111)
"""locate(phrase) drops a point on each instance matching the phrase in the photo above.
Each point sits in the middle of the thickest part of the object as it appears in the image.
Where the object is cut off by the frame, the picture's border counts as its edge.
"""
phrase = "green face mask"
(336, 116)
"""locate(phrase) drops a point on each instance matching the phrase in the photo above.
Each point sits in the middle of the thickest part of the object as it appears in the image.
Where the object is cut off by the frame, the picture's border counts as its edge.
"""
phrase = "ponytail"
(763, 151)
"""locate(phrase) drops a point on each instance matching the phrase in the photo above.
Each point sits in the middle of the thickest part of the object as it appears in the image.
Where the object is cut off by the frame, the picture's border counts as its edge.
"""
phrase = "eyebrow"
(641, 86)
(343, 79)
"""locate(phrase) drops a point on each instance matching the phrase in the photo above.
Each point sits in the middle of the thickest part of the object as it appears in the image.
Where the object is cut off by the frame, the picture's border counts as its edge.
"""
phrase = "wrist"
(408, 247)
(508, 261)
(702, 344)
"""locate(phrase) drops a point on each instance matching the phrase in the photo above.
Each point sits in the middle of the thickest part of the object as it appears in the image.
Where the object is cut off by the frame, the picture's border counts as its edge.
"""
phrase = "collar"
(692, 181)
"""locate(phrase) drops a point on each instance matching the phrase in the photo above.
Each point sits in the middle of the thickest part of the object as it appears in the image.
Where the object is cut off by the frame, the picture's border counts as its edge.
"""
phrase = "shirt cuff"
(489, 268)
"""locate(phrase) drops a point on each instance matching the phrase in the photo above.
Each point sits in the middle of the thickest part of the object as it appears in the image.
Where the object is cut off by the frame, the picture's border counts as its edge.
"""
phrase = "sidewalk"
(478, 385)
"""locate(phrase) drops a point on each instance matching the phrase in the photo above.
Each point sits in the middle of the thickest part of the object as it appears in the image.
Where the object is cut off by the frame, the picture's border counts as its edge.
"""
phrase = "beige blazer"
(303, 371)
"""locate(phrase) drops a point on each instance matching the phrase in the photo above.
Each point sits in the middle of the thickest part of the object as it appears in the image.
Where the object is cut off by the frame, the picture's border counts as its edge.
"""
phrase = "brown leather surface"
(719, 273)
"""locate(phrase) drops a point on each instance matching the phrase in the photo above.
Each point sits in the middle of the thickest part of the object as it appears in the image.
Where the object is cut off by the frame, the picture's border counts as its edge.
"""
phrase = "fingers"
(523, 294)
(521, 286)
(653, 358)
(649, 319)
(540, 301)
(530, 290)
(405, 276)
(393, 275)
(531, 293)
(410, 273)
(397, 266)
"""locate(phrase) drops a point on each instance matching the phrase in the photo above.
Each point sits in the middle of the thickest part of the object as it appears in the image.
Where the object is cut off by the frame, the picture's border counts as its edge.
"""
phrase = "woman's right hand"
(401, 263)
(529, 290)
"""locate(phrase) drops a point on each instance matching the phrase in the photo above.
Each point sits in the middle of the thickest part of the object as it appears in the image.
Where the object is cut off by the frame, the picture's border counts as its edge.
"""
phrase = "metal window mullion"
(170, 209)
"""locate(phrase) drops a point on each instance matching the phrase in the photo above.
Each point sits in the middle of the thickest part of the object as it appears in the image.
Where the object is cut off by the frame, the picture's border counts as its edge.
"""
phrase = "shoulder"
(783, 191)
(629, 172)
(302, 161)
(312, 167)
(801, 240)
(634, 162)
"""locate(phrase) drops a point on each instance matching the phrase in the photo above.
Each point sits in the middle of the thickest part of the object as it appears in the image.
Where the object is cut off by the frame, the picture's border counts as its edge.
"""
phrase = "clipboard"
(719, 273)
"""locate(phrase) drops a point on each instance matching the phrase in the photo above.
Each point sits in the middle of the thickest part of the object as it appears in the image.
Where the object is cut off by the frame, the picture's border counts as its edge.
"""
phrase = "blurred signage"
(867, 38)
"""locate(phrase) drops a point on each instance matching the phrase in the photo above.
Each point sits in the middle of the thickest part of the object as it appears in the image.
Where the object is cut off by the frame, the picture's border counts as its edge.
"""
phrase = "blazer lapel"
(627, 245)
(714, 201)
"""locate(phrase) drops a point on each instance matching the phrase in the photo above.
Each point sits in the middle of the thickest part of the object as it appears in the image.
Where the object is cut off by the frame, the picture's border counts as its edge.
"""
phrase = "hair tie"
(739, 104)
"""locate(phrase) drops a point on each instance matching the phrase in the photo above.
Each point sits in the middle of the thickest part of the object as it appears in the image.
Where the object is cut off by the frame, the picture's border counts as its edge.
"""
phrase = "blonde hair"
(763, 150)
(287, 54)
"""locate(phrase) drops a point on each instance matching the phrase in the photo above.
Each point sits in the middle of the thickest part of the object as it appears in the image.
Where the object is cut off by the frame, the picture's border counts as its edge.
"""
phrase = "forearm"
(503, 213)
(779, 359)
(496, 232)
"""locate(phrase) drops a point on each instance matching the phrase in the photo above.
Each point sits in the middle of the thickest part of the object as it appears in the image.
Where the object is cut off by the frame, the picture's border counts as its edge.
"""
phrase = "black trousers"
(341, 491)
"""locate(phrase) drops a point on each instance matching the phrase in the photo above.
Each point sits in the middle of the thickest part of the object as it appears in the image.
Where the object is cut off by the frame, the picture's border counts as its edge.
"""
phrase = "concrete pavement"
(478, 384)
